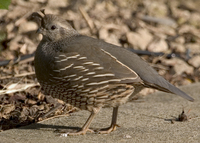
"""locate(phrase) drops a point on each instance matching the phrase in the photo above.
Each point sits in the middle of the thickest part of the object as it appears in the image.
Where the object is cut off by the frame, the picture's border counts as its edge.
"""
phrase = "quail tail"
(179, 92)
(168, 87)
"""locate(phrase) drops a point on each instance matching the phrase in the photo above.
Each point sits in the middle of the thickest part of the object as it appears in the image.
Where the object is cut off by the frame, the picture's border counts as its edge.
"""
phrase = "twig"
(141, 52)
(18, 75)
(16, 60)
(87, 19)
(57, 116)
(165, 21)
(22, 88)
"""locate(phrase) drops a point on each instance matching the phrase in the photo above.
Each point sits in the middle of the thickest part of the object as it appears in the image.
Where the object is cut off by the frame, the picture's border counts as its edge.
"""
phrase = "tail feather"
(168, 87)
(179, 92)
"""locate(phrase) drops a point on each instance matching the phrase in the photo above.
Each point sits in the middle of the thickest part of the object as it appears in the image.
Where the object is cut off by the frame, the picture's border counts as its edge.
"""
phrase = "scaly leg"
(113, 123)
(86, 126)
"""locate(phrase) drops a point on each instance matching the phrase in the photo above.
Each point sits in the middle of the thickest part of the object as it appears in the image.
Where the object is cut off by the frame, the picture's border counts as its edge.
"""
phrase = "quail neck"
(54, 28)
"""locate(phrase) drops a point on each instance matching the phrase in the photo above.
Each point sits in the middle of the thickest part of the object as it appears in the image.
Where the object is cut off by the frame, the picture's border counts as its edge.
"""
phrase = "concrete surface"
(140, 122)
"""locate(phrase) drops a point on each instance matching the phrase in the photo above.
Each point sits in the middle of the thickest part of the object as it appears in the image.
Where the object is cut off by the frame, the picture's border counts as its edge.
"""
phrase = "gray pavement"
(140, 122)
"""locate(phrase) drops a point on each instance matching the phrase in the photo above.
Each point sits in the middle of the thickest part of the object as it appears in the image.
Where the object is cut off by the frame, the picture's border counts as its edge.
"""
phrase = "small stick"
(18, 75)
(87, 19)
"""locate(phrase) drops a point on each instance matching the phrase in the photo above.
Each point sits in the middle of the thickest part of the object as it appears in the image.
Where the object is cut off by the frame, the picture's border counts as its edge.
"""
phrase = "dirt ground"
(165, 33)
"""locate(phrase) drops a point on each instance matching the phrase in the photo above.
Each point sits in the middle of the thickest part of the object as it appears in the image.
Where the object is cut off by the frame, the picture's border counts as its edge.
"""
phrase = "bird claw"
(107, 130)
(101, 131)
(81, 132)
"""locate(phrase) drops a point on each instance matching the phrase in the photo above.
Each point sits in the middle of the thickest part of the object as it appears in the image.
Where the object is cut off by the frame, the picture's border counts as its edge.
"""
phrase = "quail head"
(89, 73)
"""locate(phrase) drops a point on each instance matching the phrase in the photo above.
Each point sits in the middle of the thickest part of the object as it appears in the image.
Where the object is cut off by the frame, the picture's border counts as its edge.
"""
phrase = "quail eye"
(53, 27)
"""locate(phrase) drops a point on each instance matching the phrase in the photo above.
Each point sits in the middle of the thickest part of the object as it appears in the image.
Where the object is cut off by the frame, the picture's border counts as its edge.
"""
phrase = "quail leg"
(86, 126)
(113, 123)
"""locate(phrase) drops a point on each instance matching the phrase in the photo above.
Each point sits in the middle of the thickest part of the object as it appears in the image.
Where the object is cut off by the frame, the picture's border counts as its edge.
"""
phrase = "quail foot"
(89, 73)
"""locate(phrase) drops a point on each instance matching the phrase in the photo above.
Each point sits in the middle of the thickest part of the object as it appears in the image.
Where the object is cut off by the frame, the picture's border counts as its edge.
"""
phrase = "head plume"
(53, 27)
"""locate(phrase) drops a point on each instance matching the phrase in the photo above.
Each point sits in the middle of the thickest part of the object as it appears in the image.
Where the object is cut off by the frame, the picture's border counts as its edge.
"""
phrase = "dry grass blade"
(87, 19)
(18, 75)
(15, 87)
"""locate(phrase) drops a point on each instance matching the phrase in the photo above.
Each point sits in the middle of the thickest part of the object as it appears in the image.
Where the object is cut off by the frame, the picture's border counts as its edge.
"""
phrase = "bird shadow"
(159, 117)
(55, 128)
(181, 117)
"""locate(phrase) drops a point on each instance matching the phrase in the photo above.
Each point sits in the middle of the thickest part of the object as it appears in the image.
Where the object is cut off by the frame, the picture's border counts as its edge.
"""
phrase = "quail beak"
(40, 30)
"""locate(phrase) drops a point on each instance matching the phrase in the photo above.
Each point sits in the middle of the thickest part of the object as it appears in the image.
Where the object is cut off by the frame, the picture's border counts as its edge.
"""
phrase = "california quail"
(89, 73)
